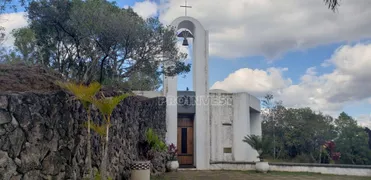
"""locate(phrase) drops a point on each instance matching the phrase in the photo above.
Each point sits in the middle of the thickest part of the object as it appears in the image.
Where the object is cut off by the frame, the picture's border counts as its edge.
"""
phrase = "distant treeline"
(302, 135)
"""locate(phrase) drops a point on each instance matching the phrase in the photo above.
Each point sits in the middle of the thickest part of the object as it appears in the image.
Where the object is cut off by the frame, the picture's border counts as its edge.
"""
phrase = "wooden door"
(185, 140)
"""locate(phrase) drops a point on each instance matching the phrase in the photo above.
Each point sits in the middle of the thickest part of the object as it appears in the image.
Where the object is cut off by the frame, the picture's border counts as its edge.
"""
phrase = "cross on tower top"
(185, 7)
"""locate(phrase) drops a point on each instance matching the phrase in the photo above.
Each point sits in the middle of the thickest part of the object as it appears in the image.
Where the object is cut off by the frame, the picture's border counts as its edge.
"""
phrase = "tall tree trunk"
(102, 163)
(320, 154)
(279, 153)
(311, 155)
(103, 167)
(101, 69)
(88, 76)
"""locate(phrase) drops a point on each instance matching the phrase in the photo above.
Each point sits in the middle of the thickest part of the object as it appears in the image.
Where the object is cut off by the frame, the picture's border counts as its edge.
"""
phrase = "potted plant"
(261, 146)
(172, 163)
(140, 170)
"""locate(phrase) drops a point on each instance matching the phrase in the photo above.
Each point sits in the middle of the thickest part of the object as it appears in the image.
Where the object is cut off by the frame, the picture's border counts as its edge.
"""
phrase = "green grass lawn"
(251, 175)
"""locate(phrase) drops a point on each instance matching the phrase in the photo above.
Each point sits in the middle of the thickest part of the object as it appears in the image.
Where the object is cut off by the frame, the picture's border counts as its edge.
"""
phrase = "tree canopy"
(299, 135)
(96, 40)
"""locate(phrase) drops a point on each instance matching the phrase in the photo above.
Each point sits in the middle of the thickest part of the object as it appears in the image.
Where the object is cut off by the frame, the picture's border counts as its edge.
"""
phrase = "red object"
(172, 150)
(330, 147)
(336, 156)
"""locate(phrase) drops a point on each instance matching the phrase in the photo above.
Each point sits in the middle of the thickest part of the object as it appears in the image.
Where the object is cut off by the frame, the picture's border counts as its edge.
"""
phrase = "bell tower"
(192, 29)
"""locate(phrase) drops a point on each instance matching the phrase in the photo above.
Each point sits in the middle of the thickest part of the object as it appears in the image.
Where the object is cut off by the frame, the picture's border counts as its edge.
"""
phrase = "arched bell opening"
(185, 45)
(186, 29)
(185, 34)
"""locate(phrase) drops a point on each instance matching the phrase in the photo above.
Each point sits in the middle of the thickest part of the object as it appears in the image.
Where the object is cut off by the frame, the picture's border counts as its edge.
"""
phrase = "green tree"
(144, 81)
(9, 56)
(351, 141)
(12, 4)
(269, 120)
(298, 133)
(97, 40)
(301, 132)
(8, 4)
(25, 45)
(344, 121)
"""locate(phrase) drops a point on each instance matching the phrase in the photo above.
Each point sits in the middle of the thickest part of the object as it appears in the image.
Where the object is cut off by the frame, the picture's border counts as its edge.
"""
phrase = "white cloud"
(240, 28)
(12, 21)
(145, 9)
(255, 81)
(364, 120)
(349, 82)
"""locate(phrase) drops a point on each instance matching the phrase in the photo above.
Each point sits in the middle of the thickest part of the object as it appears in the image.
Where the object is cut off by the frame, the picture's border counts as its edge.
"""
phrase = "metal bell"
(185, 42)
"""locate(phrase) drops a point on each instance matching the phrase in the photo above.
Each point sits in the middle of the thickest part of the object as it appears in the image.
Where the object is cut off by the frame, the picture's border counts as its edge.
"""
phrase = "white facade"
(221, 119)
(232, 116)
(231, 119)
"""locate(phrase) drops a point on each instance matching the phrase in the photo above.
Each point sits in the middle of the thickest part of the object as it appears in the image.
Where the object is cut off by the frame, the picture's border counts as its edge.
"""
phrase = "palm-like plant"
(106, 105)
(258, 143)
(154, 143)
(85, 94)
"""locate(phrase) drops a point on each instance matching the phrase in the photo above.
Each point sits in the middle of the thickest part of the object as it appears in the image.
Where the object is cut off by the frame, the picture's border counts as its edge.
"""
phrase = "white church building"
(207, 125)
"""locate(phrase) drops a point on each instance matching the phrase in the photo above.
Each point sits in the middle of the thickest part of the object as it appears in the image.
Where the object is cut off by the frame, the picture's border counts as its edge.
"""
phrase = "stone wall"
(42, 136)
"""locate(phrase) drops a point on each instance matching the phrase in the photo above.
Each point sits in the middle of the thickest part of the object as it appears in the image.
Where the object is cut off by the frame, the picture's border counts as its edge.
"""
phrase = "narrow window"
(184, 140)
(227, 124)
(227, 150)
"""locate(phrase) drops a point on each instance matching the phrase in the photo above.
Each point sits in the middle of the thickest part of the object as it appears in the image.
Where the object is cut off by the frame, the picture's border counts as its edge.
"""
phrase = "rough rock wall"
(42, 136)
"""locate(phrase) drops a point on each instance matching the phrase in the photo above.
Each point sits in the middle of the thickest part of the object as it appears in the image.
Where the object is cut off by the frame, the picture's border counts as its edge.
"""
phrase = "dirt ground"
(24, 78)
(35, 78)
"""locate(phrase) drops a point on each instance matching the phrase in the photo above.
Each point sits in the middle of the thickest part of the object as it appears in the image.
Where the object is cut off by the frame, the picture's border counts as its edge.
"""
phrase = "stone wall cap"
(140, 162)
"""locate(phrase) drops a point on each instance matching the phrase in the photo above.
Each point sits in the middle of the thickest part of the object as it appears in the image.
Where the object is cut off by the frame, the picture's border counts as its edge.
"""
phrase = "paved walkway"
(250, 175)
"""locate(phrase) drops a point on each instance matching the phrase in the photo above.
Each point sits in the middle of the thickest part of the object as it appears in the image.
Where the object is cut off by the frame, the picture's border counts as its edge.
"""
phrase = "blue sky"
(300, 51)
